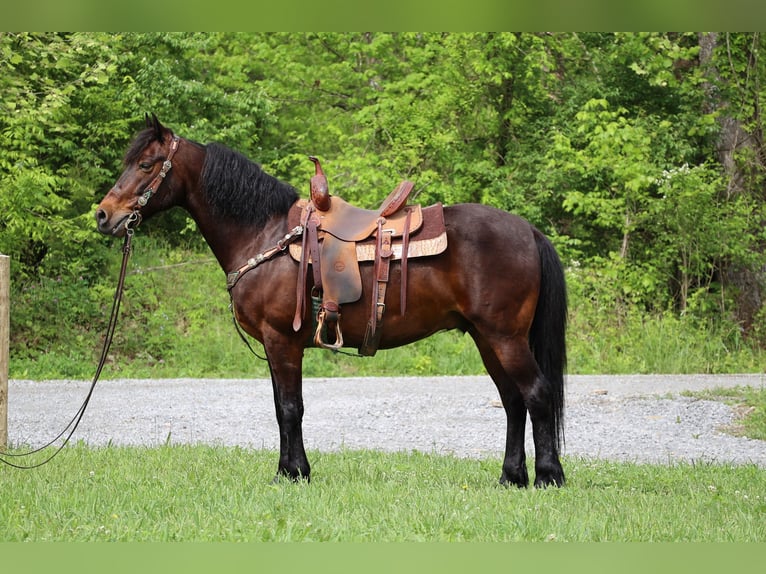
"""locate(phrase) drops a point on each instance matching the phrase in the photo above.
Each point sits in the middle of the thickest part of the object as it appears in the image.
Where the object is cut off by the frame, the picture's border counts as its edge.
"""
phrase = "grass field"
(204, 493)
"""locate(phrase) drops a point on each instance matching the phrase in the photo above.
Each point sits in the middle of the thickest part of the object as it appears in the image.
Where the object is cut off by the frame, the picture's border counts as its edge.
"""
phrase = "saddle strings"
(71, 427)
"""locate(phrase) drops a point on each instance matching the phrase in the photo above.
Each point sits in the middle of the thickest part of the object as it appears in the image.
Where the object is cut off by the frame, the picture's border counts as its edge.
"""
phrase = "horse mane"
(239, 190)
(235, 188)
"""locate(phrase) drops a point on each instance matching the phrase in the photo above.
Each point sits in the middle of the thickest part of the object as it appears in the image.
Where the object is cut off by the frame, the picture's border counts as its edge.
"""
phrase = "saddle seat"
(350, 223)
(337, 236)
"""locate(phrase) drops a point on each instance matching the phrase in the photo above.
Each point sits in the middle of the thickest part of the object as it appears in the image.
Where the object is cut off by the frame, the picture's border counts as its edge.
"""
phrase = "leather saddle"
(338, 237)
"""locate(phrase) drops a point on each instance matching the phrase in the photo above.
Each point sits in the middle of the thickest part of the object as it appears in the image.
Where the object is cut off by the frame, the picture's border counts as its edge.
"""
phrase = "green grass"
(203, 493)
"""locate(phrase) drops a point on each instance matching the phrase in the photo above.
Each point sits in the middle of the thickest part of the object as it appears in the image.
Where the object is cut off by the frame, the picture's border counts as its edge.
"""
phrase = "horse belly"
(430, 306)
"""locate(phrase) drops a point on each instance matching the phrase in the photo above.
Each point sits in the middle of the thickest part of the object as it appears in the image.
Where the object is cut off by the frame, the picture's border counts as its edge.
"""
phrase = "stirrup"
(321, 329)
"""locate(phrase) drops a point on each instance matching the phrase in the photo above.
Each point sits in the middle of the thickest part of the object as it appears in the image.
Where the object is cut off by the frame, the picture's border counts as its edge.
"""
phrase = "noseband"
(134, 219)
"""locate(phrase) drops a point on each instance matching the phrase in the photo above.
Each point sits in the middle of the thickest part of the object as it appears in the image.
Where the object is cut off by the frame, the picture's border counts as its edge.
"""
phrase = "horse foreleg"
(285, 364)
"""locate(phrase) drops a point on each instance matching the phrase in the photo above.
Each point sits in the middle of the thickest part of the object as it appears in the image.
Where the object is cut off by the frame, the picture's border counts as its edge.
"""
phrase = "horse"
(500, 280)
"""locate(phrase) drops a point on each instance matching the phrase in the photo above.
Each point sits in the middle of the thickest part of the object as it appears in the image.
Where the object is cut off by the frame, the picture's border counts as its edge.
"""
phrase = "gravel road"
(636, 418)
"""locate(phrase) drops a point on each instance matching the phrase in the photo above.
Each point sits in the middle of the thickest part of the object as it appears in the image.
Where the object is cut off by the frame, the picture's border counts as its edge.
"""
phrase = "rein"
(132, 221)
(70, 428)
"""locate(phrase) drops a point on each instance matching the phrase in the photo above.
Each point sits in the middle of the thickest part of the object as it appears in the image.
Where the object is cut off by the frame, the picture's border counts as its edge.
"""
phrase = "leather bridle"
(134, 219)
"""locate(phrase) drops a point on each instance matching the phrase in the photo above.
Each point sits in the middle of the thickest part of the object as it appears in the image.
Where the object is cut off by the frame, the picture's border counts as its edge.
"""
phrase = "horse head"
(137, 195)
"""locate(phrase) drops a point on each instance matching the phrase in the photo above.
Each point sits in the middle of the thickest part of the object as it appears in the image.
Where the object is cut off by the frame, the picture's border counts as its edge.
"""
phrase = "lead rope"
(74, 423)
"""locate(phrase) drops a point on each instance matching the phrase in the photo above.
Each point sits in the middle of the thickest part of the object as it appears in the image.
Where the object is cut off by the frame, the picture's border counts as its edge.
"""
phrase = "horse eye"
(144, 166)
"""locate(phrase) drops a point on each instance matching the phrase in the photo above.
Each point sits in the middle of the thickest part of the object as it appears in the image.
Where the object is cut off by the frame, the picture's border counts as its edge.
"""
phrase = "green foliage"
(43, 171)
(175, 322)
(610, 332)
(609, 143)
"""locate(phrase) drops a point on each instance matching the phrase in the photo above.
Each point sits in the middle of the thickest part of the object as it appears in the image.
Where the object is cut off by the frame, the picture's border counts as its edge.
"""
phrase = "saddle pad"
(430, 239)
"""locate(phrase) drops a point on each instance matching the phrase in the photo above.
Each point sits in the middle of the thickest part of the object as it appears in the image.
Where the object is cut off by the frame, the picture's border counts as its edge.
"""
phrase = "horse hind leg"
(523, 388)
(514, 461)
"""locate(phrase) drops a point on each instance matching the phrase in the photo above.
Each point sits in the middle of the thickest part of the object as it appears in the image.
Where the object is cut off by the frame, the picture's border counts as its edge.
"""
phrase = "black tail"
(547, 337)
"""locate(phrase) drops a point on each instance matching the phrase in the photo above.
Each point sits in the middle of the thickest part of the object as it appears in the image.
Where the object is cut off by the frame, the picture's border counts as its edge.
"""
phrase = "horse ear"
(157, 126)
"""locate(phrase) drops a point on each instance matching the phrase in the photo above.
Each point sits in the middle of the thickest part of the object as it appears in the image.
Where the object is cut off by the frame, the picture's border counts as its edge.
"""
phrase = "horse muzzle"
(114, 224)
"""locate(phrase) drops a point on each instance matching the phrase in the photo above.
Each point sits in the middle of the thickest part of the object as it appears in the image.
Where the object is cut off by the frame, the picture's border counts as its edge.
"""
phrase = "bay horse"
(499, 279)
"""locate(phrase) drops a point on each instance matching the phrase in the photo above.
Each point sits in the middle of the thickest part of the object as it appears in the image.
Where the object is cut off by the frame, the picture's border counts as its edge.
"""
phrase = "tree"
(45, 174)
(71, 103)
(735, 94)
(636, 167)
(641, 155)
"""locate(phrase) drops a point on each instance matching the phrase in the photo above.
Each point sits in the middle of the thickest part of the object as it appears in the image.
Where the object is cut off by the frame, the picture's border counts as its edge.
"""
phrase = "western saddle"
(338, 236)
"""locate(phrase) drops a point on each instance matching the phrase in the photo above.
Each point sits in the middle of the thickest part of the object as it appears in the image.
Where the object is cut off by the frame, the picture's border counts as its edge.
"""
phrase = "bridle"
(133, 220)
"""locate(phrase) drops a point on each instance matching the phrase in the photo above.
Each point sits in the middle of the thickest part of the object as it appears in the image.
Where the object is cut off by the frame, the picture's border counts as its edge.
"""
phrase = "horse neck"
(232, 243)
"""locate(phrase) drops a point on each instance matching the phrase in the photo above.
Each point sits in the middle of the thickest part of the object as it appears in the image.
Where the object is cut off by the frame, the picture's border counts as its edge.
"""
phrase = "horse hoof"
(520, 481)
(550, 480)
(283, 476)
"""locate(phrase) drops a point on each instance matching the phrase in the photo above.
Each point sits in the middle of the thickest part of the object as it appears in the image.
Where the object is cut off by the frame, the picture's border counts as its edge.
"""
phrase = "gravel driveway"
(637, 418)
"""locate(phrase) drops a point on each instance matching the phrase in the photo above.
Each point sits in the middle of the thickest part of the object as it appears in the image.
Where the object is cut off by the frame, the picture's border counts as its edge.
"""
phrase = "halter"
(135, 218)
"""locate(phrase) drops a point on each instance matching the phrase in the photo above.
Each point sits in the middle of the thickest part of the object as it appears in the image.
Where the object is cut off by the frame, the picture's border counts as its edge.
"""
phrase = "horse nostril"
(101, 216)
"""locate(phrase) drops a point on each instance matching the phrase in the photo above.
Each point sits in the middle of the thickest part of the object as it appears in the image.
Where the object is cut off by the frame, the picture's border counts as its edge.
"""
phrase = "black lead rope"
(70, 428)
(241, 334)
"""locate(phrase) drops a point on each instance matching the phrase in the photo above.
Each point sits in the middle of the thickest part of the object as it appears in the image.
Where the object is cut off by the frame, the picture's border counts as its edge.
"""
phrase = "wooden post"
(5, 330)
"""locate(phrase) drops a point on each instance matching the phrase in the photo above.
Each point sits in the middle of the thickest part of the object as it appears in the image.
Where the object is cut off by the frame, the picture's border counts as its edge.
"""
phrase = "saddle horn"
(320, 192)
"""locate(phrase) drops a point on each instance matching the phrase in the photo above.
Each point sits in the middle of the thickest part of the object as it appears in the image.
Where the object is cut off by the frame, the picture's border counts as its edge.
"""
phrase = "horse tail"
(547, 336)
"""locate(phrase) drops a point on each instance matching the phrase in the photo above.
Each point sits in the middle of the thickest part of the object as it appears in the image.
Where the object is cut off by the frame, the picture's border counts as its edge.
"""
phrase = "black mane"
(239, 190)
